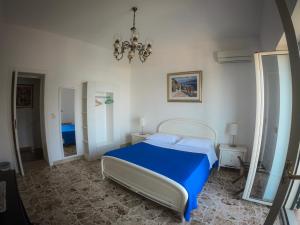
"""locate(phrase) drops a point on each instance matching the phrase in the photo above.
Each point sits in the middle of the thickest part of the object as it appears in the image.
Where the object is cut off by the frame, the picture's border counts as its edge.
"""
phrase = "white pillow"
(165, 138)
(196, 142)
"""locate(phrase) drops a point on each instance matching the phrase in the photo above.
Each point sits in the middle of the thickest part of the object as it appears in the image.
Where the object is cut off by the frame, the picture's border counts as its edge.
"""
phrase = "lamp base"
(142, 131)
(233, 145)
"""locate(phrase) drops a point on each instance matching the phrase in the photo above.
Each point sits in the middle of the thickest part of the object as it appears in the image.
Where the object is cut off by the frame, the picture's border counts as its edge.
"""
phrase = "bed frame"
(152, 185)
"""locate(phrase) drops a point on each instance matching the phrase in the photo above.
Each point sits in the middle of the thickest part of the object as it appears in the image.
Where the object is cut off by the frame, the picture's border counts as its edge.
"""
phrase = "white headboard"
(187, 127)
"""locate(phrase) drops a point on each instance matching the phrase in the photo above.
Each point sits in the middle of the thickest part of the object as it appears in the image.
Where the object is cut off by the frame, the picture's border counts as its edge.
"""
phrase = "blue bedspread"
(191, 170)
(68, 134)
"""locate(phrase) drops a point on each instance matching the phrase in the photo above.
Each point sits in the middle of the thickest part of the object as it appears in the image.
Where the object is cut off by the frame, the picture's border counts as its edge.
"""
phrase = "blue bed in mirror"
(68, 134)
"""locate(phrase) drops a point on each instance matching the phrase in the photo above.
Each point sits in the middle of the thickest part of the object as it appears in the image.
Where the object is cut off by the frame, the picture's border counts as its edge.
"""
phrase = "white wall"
(228, 91)
(67, 105)
(66, 62)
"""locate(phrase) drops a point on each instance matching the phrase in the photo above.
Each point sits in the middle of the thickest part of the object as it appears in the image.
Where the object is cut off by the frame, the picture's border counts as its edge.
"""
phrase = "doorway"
(28, 119)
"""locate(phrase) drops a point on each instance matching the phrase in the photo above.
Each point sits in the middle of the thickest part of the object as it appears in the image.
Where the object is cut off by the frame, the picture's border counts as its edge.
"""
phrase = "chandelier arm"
(142, 53)
(147, 54)
(140, 46)
(142, 59)
(126, 44)
(121, 56)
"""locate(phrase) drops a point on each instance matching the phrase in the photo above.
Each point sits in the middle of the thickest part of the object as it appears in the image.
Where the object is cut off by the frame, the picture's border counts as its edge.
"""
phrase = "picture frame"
(184, 86)
(24, 96)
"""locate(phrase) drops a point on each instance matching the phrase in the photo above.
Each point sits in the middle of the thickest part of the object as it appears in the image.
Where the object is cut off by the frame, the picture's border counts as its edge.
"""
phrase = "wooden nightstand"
(229, 156)
(137, 137)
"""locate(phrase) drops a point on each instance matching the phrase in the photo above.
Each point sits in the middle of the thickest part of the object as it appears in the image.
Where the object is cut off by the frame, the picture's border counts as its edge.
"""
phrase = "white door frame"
(14, 122)
(258, 124)
(60, 121)
(42, 77)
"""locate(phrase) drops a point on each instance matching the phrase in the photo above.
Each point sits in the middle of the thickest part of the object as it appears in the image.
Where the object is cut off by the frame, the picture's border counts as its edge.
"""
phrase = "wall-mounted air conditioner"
(234, 56)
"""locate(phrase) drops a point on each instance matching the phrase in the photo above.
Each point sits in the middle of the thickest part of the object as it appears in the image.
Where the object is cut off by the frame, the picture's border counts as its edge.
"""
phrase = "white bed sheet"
(210, 152)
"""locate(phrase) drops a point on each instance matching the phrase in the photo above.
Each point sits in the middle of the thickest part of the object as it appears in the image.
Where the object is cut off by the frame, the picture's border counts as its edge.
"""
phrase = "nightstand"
(228, 156)
(138, 137)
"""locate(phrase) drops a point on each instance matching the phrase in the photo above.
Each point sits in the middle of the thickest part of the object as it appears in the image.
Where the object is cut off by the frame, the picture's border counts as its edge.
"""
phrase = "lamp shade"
(142, 122)
(233, 128)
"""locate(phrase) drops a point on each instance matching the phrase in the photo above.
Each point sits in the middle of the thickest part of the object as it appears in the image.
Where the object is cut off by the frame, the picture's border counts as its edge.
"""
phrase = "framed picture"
(185, 86)
(24, 96)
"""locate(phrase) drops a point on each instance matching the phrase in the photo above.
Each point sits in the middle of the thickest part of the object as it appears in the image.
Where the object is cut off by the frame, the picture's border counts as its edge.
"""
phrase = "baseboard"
(69, 159)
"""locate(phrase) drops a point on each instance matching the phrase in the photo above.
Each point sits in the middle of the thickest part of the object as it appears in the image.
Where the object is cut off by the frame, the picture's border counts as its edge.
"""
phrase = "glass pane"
(276, 126)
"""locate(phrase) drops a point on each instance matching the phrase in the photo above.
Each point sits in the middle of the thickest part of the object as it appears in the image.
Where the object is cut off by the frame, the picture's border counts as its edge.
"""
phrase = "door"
(274, 96)
(14, 122)
(285, 8)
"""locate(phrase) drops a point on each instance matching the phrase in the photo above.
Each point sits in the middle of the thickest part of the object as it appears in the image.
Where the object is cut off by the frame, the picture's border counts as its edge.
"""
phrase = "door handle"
(293, 176)
(290, 174)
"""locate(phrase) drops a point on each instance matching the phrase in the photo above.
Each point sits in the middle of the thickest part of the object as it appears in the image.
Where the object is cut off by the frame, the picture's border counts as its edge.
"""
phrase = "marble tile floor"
(29, 154)
(73, 193)
(70, 150)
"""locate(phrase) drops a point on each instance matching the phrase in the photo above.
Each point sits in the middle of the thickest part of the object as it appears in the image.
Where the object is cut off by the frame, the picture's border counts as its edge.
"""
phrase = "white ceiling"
(161, 21)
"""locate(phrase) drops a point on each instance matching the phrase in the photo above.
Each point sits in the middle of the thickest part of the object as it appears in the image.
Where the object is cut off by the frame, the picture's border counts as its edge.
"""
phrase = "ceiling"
(161, 21)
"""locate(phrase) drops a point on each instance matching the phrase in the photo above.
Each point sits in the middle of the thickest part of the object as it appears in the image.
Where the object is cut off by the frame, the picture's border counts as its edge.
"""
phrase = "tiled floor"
(29, 154)
(74, 193)
(70, 150)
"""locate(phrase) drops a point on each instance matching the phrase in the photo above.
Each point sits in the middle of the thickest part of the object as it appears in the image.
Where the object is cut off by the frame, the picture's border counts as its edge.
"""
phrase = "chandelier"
(133, 46)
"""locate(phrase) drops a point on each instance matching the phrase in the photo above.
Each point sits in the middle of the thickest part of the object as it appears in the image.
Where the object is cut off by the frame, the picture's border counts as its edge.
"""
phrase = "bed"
(68, 134)
(168, 174)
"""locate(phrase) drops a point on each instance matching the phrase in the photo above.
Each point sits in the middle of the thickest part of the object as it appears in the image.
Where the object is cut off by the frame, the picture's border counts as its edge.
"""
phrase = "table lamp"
(233, 130)
(142, 124)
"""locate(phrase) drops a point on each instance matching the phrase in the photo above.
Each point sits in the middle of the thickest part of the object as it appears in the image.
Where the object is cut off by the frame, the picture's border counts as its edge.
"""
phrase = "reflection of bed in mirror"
(135, 169)
(68, 134)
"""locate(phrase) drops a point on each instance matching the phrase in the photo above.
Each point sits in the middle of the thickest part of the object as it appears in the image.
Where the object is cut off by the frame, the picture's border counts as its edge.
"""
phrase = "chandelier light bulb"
(117, 44)
(134, 41)
(116, 53)
(131, 54)
(135, 34)
(149, 48)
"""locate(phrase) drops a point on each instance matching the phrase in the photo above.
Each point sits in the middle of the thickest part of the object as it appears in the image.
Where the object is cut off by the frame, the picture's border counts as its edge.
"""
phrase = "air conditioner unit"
(234, 56)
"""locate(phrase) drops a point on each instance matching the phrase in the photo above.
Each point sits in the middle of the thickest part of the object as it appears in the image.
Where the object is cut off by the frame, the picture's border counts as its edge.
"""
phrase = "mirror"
(68, 129)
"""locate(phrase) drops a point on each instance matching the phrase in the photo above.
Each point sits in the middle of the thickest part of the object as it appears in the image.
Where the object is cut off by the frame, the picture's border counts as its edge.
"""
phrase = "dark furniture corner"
(15, 213)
